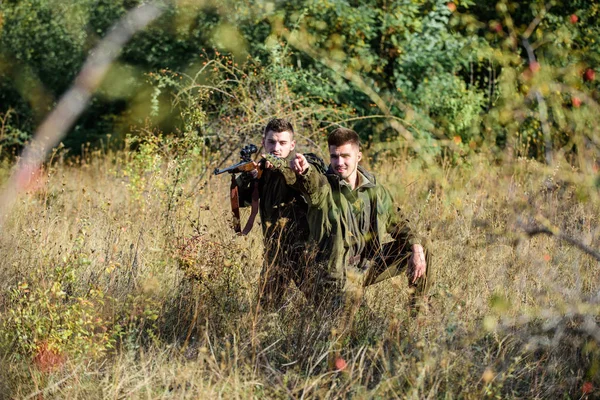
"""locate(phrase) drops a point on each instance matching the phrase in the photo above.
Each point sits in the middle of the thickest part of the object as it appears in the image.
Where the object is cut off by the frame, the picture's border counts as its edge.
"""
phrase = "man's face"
(344, 159)
(280, 144)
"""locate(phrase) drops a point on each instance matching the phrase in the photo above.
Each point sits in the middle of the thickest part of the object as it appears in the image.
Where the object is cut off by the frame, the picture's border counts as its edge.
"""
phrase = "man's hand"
(268, 164)
(299, 164)
(417, 263)
(274, 162)
(254, 172)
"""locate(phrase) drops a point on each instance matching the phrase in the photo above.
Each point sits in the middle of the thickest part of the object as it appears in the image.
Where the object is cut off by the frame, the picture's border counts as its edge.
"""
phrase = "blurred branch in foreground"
(73, 102)
(534, 231)
(543, 108)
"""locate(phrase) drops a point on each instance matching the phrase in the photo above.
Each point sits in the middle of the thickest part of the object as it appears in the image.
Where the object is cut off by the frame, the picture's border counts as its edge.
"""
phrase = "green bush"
(452, 108)
(441, 69)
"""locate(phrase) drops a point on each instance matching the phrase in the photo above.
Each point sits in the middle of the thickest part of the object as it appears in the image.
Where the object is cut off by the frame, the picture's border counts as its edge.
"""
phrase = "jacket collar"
(370, 178)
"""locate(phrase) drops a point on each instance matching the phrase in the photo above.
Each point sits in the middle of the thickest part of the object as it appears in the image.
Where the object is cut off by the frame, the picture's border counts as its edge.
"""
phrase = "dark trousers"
(282, 265)
(391, 260)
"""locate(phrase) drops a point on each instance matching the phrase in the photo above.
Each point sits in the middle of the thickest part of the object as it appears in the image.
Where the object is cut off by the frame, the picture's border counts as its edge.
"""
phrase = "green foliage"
(226, 104)
(42, 317)
(394, 48)
(50, 313)
(144, 166)
(440, 69)
(451, 107)
(58, 312)
(538, 61)
(11, 137)
(158, 166)
(47, 310)
(47, 38)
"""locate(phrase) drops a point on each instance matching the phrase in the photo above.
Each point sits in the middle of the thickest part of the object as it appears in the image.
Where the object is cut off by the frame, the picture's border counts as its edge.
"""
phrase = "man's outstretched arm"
(398, 227)
(310, 182)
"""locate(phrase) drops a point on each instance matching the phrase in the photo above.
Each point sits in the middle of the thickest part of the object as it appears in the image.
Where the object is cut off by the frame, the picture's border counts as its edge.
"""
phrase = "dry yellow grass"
(127, 267)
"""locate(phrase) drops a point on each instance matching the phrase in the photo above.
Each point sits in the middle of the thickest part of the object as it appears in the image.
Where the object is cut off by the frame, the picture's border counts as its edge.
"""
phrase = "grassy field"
(120, 277)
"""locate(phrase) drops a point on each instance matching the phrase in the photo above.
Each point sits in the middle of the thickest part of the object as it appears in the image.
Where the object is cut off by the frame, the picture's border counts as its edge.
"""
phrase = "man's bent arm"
(305, 178)
(314, 186)
(398, 227)
(396, 224)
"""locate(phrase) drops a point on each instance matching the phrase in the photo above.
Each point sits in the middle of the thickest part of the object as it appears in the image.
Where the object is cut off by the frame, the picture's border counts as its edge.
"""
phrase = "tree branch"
(534, 231)
(54, 128)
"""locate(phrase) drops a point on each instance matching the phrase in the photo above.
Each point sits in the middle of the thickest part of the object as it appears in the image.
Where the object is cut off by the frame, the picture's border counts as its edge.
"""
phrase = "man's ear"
(292, 145)
(359, 157)
(262, 142)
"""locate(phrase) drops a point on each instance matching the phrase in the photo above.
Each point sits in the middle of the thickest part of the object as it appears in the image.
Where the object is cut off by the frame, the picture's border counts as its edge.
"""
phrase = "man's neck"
(352, 180)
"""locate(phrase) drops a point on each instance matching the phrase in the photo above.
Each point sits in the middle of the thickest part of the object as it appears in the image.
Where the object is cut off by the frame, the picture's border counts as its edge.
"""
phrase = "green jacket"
(282, 208)
(334, 222)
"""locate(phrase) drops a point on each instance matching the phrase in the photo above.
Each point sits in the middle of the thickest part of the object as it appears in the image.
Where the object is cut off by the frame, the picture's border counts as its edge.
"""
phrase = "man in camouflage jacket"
(353, 222)
(283, 217)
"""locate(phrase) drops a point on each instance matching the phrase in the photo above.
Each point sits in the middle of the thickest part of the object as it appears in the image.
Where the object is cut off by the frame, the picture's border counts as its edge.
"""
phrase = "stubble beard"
(345, 174)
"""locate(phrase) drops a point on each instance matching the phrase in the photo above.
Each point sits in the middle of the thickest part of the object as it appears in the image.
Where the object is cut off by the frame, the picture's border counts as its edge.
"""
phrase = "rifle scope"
(247, 152)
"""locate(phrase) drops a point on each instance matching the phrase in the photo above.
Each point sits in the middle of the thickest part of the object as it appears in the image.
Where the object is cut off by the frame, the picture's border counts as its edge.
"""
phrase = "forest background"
(120, 275)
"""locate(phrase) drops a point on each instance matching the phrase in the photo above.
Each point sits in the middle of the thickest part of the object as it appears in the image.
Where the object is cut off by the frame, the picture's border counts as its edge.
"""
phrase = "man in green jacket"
(283, 216)
(354, 223)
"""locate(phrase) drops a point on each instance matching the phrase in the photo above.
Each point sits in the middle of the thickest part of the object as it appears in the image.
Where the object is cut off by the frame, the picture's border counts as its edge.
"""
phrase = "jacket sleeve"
(396, 224)
(314, 186)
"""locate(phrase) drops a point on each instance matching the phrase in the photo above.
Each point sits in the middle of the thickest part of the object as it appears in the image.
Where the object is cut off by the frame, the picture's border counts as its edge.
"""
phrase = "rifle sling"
(253, 210)
(235, 205)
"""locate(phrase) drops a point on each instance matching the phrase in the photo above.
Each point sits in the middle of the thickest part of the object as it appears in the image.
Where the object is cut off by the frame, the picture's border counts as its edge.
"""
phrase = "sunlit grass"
(135, 278)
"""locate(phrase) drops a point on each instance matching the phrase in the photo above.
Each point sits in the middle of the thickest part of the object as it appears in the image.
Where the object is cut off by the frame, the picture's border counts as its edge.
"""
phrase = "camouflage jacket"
(334, 223)
(283, 209)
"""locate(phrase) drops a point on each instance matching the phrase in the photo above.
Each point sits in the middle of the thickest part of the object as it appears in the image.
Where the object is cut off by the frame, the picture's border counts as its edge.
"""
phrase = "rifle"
(245, 165)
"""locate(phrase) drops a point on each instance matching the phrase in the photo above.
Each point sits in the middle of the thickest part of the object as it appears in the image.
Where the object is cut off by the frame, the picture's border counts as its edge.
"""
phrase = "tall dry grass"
(121, 278)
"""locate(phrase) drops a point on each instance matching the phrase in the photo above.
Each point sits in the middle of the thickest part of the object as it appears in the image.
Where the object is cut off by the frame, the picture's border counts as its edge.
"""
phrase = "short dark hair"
(278, 125)
(341, 136)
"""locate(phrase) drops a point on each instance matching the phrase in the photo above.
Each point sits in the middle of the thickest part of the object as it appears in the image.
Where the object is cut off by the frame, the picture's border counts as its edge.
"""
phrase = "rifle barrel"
(232, 169)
